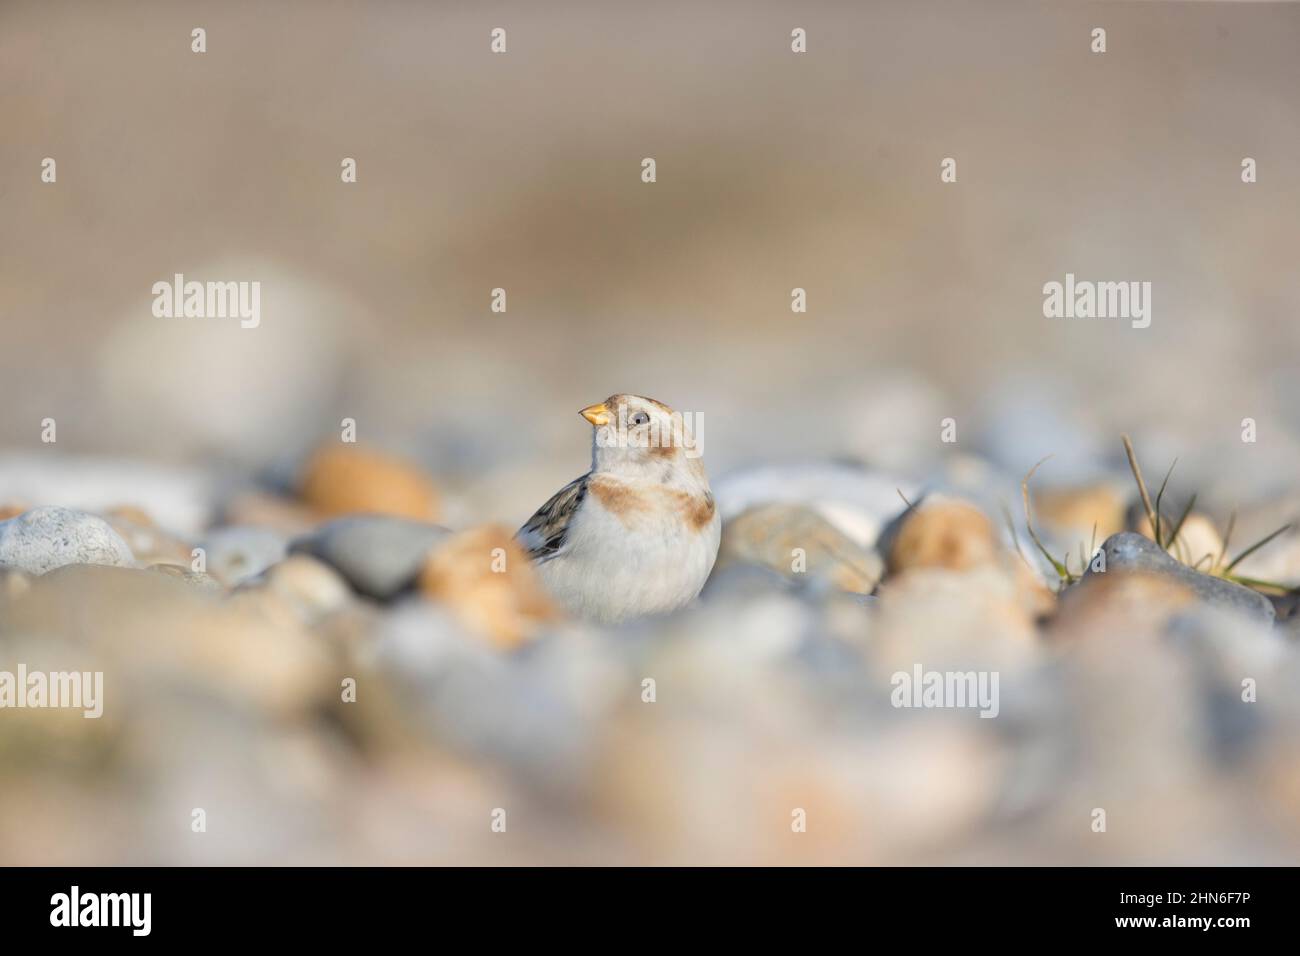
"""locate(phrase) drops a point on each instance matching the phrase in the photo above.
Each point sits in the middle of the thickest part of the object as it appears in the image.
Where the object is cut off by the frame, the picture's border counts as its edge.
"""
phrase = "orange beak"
(596, 414)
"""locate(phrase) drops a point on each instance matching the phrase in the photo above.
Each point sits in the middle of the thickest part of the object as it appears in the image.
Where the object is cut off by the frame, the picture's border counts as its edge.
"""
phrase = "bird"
(638, 534)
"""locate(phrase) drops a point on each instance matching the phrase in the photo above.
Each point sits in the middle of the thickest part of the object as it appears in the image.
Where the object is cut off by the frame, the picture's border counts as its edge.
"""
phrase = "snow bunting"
(637, 534)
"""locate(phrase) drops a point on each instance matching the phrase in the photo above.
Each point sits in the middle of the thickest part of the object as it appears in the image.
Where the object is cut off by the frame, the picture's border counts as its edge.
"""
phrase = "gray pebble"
(46, 538)
(380, 556)
(238, 553)
(1128, 551)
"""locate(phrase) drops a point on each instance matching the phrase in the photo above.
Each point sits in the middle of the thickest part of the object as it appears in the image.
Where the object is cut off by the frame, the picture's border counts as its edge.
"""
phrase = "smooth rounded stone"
(1223, 648)
(311, 585)
(488, 580)
(881, 792)
(1128, 552)
(735, 634)
(379, 555)
(857, 500)
(46, 538)
(799, 544)
(269, 608)
(1138, 735)
(1136, 602)
(940, 532)
(526, 710)
(198, 579)
(741, 580)
(238, 554)
(940, 617)
(343, 479)
(162, 632)
(59, 740)
(946, 533)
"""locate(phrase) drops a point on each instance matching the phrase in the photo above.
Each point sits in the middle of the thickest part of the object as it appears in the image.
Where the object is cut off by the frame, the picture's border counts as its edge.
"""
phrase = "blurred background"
(523, 171)
(775, 171)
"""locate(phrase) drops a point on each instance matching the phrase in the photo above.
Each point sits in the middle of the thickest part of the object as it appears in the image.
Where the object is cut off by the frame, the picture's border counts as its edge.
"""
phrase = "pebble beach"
(988, 336)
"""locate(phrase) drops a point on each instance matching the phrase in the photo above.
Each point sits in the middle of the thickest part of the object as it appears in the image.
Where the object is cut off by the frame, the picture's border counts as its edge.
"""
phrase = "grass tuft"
(1216, 566)
(1062, 569)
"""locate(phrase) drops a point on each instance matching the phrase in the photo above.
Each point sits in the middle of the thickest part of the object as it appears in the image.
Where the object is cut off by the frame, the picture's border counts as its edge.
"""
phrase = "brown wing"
(543, 534)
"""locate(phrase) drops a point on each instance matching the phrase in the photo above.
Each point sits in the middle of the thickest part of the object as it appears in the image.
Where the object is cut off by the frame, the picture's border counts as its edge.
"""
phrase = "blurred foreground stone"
(486, 578)
(379, 693)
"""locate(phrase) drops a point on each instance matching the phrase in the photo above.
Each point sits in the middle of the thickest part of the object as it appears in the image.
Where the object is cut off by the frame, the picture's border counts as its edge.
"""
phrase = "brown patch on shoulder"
(618, 499)
(697, 509)
(632, 506)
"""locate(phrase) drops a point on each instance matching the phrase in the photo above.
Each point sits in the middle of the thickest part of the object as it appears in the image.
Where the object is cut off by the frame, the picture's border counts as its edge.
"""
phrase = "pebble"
(1135, 601)
(799, 544)
(379, 556)
(940, 533)
(742, 580)
(1128, 552)
(486, 578)
(46, 538)
(312, 586)
(160, 631)
(857, 500)
(237, 554)
(938, 614)
(532, 710)
(344, 479)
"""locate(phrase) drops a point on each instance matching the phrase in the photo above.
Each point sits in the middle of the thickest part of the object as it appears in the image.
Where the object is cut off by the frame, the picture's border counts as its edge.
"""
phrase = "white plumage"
(639, 533)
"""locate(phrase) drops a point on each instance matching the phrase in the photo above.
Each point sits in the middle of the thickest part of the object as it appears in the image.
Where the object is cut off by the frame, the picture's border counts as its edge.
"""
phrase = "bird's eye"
(638, 418)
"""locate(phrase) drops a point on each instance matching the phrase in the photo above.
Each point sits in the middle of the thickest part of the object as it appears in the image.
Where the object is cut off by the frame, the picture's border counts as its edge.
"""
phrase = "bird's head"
(639, 437)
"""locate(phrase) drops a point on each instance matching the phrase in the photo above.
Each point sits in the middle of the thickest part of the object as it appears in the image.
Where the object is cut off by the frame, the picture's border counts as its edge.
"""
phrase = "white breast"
(611, 569)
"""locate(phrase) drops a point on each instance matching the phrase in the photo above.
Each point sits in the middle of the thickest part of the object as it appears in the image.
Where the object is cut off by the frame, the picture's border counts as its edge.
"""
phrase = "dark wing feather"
(543, 534)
